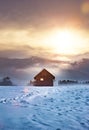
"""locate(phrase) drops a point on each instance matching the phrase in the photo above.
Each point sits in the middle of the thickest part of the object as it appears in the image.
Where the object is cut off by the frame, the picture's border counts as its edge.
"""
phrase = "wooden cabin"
(44, 78)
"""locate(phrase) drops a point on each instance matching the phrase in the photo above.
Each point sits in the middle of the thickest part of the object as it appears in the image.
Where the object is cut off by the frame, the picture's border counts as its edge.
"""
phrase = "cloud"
(24, 51)
(27, 62)
(22, 69)
(19, 63)
(16, 51)
(77, 70)
(40, 14)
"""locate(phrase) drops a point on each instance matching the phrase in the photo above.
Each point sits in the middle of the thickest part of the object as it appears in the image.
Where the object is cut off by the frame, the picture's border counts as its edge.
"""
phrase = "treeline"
(60, 82)
(67, 82)
(6, 81)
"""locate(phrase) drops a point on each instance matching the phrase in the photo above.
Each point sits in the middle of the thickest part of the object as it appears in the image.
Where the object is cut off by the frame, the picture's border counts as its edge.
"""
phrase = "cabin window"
(41, 79)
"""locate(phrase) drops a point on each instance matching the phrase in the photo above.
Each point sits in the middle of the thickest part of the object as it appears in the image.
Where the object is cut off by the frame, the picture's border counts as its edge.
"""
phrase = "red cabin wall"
(48, 82)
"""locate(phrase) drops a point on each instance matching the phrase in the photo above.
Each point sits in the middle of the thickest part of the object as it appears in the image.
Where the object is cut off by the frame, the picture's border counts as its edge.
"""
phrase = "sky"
(37, 34)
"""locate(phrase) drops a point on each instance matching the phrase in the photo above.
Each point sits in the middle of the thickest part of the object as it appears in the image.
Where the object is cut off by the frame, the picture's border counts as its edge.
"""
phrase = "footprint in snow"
(58, 129)
(77, 98)
(59, 114)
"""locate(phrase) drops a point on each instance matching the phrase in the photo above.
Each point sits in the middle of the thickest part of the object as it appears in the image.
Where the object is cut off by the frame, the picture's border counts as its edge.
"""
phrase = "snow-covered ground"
(44, 108)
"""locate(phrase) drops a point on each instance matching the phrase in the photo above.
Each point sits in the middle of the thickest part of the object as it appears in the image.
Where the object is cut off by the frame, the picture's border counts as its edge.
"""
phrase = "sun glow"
(65, 41)
(55, 40)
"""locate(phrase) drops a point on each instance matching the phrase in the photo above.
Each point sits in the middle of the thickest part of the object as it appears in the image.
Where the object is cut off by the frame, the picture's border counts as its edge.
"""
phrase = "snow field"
(44, 108)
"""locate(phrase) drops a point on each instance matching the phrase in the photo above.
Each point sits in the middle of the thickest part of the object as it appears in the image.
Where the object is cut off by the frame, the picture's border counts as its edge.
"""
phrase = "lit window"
(41, 79)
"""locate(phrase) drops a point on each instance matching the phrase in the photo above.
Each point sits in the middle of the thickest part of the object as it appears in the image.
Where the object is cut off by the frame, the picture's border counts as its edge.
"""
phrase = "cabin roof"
(44, 71)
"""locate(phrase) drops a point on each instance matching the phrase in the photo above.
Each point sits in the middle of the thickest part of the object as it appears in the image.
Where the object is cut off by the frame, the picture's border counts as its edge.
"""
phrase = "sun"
(65, 41)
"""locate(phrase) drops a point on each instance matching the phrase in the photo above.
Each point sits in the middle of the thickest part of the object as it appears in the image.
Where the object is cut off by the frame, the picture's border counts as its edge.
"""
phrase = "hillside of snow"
(44, 108)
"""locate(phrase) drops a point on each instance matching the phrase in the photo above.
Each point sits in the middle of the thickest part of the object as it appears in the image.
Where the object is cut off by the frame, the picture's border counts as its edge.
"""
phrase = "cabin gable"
(44, 78)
